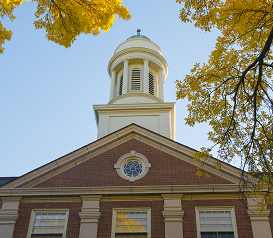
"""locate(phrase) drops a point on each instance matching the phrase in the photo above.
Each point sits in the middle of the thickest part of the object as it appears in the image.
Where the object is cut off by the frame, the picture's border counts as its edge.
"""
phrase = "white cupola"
(138, 71)
(137, 66)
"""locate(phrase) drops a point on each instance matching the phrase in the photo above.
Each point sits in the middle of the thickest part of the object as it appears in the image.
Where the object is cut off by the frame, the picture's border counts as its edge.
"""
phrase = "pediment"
(105, 151)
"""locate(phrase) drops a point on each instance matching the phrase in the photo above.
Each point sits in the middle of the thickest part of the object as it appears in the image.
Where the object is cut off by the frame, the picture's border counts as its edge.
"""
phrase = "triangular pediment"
(132, 133)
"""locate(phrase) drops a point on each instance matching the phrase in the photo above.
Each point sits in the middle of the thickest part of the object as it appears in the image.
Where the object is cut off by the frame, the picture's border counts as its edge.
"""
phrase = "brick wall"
(73, 226)
(157, 221)
(99, 171)
(242, 219)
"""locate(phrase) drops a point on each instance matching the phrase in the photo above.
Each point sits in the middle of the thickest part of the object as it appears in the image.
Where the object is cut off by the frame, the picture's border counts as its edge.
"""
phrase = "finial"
(138, 31)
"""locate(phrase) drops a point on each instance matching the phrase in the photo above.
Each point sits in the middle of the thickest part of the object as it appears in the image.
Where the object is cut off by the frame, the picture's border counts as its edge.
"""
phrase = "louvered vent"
(135, 80)
(151, 84)
(120, 84)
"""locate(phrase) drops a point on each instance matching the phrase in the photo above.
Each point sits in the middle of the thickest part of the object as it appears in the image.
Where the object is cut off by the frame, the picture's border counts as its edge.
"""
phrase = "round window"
(132, 168)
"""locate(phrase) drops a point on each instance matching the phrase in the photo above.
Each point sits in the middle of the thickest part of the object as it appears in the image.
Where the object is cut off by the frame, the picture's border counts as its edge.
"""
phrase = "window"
(131, 223)
(132, 166)
(216, 222)
(48, 224)
(151, 83)
(135, 79)
(120, 84)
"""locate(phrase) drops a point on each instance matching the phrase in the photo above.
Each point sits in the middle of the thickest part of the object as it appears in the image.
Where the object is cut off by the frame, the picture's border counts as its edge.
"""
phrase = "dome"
(138, 36)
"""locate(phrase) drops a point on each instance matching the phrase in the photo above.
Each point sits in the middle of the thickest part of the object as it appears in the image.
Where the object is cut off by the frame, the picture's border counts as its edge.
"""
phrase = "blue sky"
(47, 91)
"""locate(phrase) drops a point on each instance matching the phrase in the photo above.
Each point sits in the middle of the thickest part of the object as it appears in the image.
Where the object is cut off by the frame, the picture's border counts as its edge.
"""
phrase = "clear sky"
(47, 91)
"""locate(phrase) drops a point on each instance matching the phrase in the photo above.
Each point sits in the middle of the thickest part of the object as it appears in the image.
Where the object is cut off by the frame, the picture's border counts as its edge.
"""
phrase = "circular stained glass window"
(132, 168)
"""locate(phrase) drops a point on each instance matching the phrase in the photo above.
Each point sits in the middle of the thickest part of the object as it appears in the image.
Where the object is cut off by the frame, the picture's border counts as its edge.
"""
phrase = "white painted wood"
(135, 100)
(125, 77)
(160, 76)
(113, 82)
(138, 43)
(146, 121)
(145, 76)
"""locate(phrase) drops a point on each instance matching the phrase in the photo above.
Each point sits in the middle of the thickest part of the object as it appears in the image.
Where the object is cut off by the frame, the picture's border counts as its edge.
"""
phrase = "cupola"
(138, 71)
(137, 67)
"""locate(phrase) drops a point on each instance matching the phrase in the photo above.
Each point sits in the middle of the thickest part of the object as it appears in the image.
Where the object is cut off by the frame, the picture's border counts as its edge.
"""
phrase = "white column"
(259, 220)
(113, 83)
(160, 76)
(89, 216)
(145, 76)
(125, 77)
(8, 216)
(173, 215)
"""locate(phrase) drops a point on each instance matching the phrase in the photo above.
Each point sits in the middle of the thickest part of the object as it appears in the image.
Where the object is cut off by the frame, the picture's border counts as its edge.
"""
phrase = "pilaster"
(89, 216)
(259, 220)
(113, 83)
(125, 77)
(173, 215)
(145, 76)
(160, 77)
(8, 216)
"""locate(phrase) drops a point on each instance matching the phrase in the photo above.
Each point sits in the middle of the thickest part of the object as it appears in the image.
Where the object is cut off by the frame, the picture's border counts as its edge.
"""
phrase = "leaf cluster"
(64, 20)
(233, 91)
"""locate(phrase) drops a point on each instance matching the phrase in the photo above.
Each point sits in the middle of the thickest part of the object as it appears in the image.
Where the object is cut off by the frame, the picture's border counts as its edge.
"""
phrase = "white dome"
(138, 42)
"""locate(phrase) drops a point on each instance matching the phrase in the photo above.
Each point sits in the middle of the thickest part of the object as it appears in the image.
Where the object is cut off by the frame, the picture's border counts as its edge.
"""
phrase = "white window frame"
(135, 209)
(132, 155)
(216, 208)
(35, 211)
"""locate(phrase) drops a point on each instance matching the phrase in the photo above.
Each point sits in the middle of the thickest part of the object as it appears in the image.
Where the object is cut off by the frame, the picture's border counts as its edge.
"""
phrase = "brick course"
(73, 226)
(99, 171)
(157, 221)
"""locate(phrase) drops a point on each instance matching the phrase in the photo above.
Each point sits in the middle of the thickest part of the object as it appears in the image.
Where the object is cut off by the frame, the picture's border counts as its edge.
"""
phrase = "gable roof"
(110, 141)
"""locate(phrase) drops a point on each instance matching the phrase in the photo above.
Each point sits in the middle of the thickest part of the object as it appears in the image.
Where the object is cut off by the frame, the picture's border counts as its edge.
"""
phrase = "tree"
(233, 90)
(64, 20)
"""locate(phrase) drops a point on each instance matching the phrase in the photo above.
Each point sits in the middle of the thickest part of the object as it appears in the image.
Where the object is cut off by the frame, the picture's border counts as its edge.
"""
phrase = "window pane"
(215, 221)
(49, 223)
(127, 223)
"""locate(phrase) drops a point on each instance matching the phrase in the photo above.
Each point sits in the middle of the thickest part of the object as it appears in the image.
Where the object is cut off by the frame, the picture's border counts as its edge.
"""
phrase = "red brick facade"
(189, 220)
(73, 226)
(165, 170)
(99, 171)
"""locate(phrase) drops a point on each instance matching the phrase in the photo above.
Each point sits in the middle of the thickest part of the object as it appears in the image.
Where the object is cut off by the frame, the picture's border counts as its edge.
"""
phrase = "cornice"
(137, 49)
(149, 106)
(124, 190)
(127, 95)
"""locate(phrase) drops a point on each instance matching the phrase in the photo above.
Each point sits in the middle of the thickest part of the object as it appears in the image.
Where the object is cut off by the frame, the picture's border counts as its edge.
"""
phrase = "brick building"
(135, 180)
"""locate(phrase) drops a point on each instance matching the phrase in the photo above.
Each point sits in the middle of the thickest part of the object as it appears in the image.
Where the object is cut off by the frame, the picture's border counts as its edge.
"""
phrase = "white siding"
(148, 122)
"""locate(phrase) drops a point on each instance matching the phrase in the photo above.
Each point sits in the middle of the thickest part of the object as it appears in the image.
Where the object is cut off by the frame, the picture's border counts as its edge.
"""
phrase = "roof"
(139, 36)
(4, 180)
(110, 141)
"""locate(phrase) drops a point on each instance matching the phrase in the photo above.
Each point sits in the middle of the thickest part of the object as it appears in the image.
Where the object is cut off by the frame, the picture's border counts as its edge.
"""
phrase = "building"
(135, 180)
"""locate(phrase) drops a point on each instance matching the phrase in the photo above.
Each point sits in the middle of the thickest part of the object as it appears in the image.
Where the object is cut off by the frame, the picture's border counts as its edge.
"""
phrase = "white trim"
(216, 208)
(135, 209)
(133, 155)
(35, 211)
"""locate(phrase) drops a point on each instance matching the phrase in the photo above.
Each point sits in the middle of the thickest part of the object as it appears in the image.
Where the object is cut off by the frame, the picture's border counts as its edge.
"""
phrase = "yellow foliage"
(233, 91)
(64, 20)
